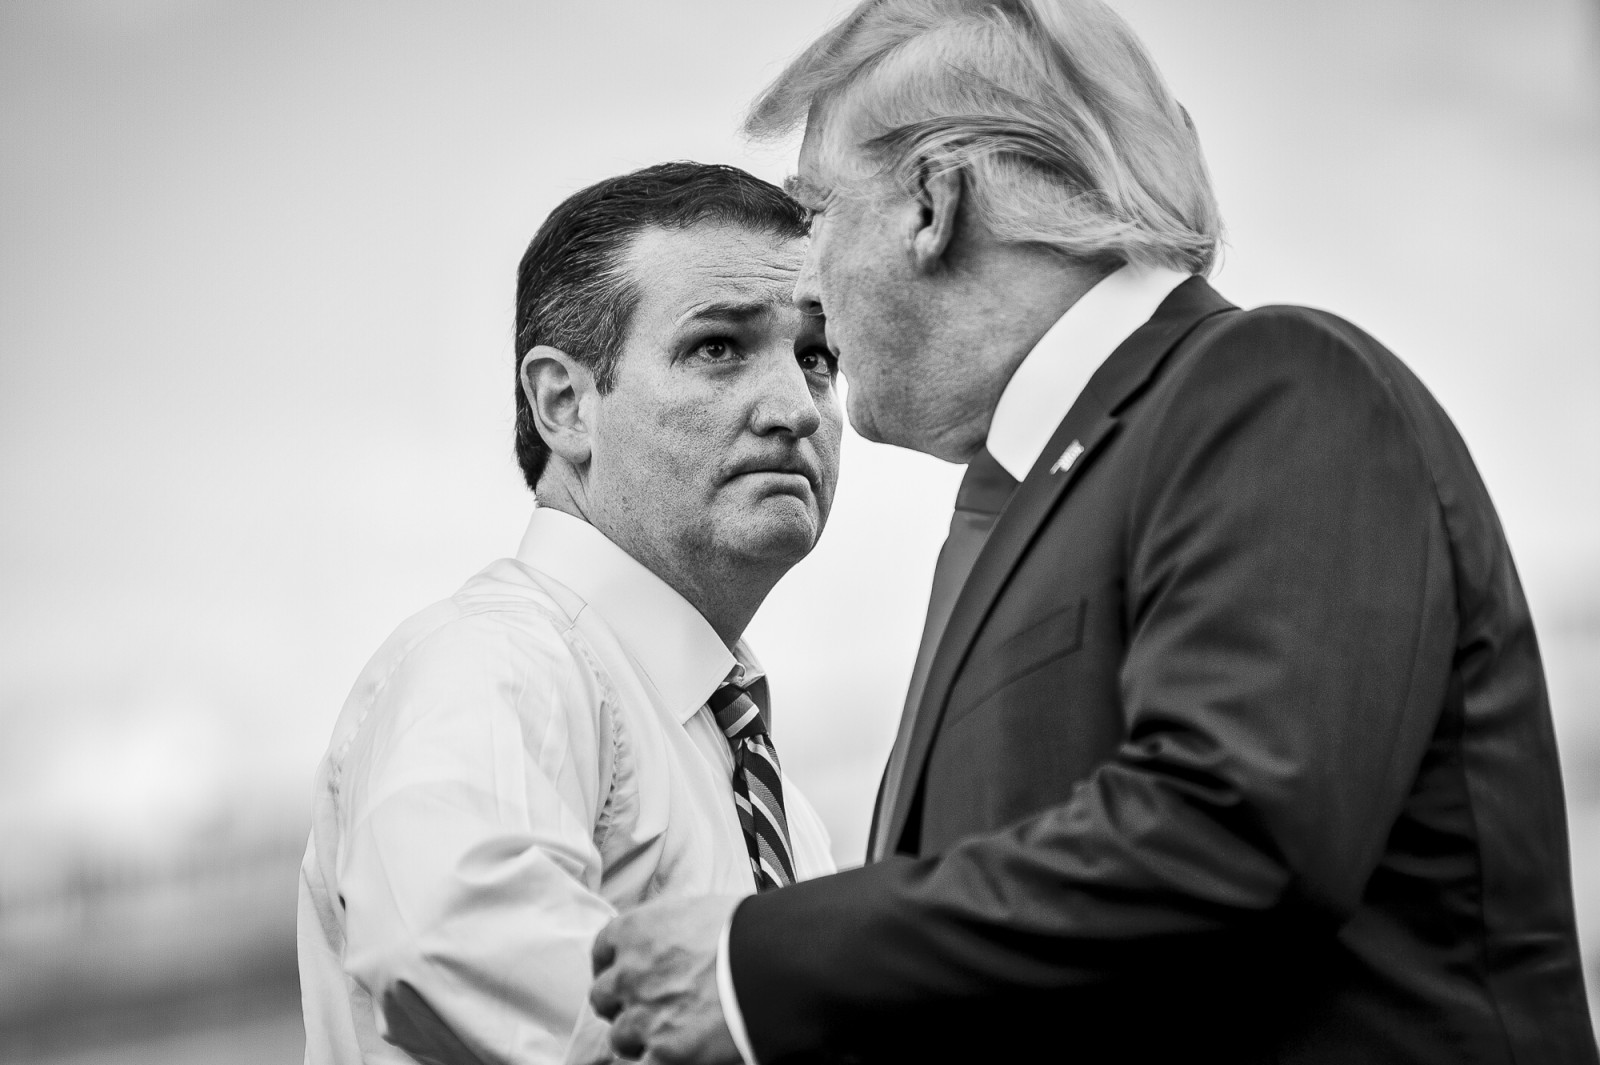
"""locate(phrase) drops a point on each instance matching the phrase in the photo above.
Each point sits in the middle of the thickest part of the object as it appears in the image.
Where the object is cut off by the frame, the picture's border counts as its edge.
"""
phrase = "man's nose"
(785, 402)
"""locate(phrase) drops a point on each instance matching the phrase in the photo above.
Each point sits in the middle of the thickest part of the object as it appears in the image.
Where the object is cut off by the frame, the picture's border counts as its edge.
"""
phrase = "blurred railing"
(104, 949)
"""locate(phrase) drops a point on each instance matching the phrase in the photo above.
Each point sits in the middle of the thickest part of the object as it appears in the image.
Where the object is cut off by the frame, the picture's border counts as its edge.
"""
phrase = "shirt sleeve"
(470, 875)
(730, 999)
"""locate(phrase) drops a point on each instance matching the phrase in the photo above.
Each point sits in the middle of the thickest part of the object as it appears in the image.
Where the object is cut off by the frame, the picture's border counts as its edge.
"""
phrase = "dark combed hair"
(573, 292)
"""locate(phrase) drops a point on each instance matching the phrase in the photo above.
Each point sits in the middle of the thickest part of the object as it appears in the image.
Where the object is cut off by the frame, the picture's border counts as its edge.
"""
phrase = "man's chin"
(895, 434)
(861, 419)
(875, 431)
(779, 528)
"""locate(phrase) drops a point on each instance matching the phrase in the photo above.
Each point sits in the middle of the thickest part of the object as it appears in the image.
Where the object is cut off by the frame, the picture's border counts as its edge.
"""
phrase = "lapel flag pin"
(1068, 457)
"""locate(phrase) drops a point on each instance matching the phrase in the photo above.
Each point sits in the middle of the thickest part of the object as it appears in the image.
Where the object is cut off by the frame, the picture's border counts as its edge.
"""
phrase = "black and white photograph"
(704, 532)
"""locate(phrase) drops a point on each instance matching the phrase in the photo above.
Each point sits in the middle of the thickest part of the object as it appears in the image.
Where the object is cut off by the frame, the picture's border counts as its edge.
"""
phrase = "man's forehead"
(807, 179)
(832, 161)
(714, 269)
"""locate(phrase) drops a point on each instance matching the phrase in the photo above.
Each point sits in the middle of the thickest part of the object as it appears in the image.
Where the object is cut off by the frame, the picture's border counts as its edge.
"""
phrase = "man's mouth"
(794, 467)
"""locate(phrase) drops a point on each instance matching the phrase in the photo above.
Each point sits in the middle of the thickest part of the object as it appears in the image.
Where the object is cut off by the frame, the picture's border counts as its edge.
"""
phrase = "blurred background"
(256, 271)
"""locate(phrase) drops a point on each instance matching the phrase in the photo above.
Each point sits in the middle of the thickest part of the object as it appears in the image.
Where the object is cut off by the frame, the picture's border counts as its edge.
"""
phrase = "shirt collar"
(674, 645)
(1053, 375)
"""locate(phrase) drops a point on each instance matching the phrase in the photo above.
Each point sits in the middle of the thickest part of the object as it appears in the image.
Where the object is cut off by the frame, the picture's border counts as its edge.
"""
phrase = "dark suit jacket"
(1236, 749)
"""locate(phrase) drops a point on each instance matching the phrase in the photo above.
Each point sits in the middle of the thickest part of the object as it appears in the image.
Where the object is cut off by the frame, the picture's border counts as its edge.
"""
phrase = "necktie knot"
(986, 486)
(736, 711)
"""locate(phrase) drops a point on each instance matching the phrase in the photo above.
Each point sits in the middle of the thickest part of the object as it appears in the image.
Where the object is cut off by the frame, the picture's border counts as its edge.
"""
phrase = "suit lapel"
(1087, 428)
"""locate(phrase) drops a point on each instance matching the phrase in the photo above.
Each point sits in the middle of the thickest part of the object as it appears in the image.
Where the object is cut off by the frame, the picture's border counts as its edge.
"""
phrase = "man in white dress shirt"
(522, 761)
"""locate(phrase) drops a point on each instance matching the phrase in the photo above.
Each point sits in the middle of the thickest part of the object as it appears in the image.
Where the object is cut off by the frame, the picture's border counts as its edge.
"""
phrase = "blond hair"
(1064, 131)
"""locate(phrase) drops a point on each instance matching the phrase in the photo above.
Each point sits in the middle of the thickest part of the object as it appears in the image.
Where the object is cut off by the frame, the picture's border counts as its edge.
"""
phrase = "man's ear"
(560, 389)
(939, 209)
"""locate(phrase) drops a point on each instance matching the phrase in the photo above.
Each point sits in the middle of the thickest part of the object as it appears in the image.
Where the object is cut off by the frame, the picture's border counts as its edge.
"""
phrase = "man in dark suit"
(1229, 739)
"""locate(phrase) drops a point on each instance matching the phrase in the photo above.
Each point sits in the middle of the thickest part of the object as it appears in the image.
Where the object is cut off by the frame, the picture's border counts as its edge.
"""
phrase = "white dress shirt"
(514, 766)
(1044, 387)
(1049, 381)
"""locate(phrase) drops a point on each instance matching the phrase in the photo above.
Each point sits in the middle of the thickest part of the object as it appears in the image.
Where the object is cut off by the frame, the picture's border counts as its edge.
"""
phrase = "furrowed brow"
(726, 311)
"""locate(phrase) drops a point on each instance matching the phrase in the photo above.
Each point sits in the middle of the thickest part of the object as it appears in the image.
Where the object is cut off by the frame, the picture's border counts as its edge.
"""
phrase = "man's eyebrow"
(728, 311)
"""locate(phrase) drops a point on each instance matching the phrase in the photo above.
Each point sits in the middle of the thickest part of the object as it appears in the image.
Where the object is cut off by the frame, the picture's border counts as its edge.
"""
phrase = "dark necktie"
(984, 491)
(757, 785)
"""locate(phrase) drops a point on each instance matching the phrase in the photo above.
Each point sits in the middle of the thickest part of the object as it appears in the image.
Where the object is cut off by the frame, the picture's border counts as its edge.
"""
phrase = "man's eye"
(816, 360)
(715, 349)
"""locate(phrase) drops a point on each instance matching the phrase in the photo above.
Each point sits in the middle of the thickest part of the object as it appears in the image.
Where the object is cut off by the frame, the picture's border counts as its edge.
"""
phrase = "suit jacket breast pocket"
(992, 667)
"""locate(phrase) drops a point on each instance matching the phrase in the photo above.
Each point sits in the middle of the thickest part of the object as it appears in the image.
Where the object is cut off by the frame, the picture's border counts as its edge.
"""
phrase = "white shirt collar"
(1054, 374)
(673, 644)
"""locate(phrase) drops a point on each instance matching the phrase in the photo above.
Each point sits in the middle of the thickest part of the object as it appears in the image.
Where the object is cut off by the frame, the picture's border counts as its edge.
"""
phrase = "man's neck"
(726, 592)
(998, 312)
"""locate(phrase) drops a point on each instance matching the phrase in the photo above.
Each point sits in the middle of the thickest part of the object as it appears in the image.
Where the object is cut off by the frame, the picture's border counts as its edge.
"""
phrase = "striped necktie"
(757, 785)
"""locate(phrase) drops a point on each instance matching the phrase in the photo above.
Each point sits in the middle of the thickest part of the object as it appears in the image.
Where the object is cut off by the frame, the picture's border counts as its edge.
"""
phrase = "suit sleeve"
(1289, 615)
